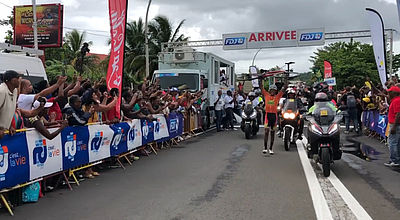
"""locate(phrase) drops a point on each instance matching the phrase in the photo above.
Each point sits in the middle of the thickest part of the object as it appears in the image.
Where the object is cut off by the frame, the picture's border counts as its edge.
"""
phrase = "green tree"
(9, 21)
(351, 63)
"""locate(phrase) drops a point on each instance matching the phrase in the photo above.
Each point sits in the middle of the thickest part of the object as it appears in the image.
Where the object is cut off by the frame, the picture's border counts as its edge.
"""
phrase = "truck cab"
(188, 69)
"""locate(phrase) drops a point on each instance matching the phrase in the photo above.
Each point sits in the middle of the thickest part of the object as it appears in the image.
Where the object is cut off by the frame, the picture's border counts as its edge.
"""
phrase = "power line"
(87, 29)
(1, 3)
(88, 32)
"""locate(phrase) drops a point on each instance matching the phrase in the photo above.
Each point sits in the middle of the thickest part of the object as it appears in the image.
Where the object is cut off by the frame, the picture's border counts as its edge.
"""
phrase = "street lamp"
(288, 69)
(252, 63)
(146, 41)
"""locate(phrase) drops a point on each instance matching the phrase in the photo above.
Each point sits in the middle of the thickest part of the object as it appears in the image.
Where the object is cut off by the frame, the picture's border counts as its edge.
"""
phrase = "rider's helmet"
(321, 97)
(321, 87)
(257, 92)
(291, 93)
(252, 95)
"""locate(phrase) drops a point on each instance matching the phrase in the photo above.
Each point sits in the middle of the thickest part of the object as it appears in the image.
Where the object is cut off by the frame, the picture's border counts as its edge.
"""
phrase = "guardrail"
(375, 122)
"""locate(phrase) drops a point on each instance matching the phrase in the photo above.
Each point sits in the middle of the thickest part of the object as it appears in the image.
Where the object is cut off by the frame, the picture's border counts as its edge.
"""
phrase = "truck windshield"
(181, 81)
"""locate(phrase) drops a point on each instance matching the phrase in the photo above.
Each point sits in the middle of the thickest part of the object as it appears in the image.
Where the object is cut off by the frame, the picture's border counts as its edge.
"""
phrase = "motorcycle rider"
(271, 100)
(291, 94)
(322, 97)
(256, 104)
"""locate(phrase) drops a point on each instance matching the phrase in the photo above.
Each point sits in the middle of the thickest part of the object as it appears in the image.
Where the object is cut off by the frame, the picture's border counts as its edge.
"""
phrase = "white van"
(31, 67)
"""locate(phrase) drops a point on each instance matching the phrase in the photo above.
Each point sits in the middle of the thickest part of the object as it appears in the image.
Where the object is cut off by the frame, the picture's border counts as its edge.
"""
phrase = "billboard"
(49, 25)
(274, 39)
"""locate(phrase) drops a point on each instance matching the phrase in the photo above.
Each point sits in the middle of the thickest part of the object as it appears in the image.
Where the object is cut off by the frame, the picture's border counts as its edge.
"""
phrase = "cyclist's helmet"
(273, 87)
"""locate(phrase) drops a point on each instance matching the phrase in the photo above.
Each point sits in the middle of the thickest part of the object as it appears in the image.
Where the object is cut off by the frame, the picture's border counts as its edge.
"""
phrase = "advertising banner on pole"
(274, 39)
(50, 25)
(327, 69)
(117, 11)
(378, 42)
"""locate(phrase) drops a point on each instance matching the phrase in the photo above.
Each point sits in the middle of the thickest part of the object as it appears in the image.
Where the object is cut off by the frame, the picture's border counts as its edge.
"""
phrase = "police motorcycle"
(250, 118)
(324, 133)
(291, 121)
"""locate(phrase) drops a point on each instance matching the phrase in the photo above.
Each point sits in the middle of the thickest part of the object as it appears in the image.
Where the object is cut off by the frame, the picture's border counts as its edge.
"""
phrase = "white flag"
(378, 42)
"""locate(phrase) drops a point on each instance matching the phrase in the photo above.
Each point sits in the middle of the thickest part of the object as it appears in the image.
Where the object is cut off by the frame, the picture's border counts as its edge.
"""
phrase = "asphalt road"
(224, 176)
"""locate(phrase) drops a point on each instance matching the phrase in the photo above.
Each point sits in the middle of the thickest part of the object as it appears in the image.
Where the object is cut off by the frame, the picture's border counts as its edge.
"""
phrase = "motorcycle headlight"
(333, 128)
(253, 115)
(244, 115)
(316, 129)
(289, 115)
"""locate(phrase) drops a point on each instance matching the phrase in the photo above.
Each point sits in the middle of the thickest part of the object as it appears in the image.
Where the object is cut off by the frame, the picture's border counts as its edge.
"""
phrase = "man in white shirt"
(229, 109)
(26, 100)
(218, 106)
(8, 100)
(239, 103)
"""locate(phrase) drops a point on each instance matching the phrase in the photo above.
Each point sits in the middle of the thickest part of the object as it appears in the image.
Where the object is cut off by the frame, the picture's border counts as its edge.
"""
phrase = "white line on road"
(320, 205)
(353, 204)
(347, 197)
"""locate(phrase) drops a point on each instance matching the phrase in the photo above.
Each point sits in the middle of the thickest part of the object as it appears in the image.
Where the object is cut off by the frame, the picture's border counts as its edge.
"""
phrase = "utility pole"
(34, 26)
(146, 41)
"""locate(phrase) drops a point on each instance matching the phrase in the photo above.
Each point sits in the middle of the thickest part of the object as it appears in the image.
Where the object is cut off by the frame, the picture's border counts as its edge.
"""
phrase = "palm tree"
(160, 31)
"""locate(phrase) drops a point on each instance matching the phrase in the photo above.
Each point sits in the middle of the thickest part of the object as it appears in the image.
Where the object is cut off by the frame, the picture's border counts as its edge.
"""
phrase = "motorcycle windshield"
(323, 114)
(248, 109)
(290, 105)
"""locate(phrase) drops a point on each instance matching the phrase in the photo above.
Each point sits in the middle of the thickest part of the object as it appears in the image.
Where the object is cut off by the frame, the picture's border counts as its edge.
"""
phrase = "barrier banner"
(45, 155)
(382, 124)
(75, 146)
(147, 131)
(119, 138)
(135, 135)
(160, 128)
(99, 142)
(14, 164)
(28, 155)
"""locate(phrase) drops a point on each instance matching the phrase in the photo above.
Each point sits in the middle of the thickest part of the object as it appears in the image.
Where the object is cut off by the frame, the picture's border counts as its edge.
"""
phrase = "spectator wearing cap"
(394, 126)
(8, 100)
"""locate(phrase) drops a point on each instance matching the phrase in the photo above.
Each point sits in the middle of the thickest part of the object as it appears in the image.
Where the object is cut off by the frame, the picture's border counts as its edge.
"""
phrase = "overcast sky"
(209, 19)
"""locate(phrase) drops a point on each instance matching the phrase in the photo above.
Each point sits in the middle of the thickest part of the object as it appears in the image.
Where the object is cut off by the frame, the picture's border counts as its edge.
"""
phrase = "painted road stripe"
(349, 199)
(320, 205)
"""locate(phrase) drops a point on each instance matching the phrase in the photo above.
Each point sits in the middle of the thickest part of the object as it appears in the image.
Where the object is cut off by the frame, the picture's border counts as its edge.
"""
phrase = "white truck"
(31, 67)
(188, 69)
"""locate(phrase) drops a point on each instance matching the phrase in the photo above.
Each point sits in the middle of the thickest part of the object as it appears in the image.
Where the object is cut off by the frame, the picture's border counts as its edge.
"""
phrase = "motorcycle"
(249, 123)
(324, 136)
(290, 123)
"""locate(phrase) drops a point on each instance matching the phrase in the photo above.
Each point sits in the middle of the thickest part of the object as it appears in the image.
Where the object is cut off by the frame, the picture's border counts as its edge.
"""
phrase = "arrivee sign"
(274, 39)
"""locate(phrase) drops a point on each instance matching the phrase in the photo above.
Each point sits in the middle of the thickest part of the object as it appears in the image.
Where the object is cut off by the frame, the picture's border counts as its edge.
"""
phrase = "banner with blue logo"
(28, 155)
(14, 160)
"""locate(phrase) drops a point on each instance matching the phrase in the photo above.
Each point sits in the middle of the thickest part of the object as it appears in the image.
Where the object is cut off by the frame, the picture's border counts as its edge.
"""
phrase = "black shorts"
(271, 120)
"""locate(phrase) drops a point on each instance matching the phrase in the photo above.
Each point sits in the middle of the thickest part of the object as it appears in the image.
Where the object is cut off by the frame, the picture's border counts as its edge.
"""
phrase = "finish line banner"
(274, 39)
(28, 155)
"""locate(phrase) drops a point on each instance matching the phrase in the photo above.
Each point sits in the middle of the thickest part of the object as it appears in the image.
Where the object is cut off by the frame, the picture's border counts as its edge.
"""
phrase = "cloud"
(209, 19)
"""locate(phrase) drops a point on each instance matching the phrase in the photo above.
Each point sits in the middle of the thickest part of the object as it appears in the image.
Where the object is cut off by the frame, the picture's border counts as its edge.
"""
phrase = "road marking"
(347, 197)
(352, 203)
(320, 205)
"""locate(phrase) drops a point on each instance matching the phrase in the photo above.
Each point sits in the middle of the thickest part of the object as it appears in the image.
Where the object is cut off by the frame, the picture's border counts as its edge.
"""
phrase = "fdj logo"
(235, 41)
(145, 129)
(96, 141)
(311, 36)
(3, 162)
(174, 124)
(157, 126)
(70, 146)
(40, 152)
(131, 134)
(117, 138)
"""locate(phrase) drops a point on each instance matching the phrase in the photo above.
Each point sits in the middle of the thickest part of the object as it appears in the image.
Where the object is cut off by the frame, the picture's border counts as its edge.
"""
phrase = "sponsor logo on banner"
(134, 139)
(311, 36)
(70, 146)
(160, 128)
(40, 152)
(96, 141)
(235, 41)
(118, 135)
(3, 162)
(174, 125)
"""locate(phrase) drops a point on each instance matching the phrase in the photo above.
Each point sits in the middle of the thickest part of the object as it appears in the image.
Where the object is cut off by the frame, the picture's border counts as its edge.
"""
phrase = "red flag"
(117, 10)
(327, 69)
